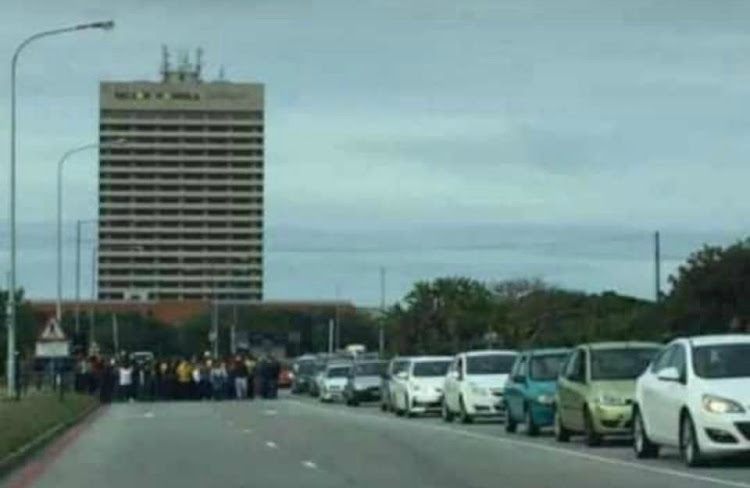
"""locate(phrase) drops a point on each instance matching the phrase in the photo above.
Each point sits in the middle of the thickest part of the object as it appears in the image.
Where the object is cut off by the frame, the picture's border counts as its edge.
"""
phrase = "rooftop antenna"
(198, 62)
(184, 61)
(164, 61)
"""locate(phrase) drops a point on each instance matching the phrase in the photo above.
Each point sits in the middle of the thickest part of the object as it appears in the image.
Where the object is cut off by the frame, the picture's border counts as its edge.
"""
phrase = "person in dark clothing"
(240, 378)
(274, 369)
(107, 382)
(260, 377)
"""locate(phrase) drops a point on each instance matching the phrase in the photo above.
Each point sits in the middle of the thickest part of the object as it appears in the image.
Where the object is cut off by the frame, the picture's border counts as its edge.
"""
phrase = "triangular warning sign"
(52, 331)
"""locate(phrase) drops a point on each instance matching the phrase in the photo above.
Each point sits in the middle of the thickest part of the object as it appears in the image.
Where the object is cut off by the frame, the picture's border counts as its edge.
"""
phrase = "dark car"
(303, 369)
(363, 384)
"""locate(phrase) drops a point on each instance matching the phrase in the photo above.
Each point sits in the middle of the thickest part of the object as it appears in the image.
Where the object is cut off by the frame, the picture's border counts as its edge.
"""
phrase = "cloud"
(384, 113)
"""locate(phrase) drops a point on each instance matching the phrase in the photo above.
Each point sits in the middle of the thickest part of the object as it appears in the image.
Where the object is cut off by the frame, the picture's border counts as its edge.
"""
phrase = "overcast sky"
(492, 138)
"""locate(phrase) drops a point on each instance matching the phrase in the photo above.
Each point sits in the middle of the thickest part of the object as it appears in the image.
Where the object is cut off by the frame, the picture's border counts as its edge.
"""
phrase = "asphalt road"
(297, 442)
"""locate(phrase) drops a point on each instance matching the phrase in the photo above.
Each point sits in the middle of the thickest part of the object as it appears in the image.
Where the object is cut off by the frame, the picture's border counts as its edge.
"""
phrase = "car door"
(577, 388)
(675, 394)
(398, 386)
(449, 387)
(652, 395)
(515, 388)
(455, 384)
(565, 387)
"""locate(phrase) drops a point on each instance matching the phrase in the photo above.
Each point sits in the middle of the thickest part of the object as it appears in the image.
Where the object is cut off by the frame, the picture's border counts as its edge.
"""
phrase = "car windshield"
(338, 372)
(430, 368)
(490, 364)
(546, 367)
(722, 361)
(620, 364)
(399, 366)
(369, 369)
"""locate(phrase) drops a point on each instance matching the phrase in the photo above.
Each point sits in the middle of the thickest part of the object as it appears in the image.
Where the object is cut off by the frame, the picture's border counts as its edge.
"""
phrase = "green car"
(596, 388)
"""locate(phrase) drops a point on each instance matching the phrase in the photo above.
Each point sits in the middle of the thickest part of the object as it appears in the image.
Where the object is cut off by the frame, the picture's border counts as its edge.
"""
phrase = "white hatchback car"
(475, 384)
(695, 396)
(419, 387)
(334, 381)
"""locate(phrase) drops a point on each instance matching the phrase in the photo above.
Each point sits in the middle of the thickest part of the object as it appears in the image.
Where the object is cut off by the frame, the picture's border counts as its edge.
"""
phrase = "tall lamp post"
(11, 369)
(79, 223)
(60, 166)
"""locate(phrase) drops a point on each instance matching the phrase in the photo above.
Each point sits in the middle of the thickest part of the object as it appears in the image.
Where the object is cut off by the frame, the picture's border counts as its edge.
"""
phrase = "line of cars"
(692, 394)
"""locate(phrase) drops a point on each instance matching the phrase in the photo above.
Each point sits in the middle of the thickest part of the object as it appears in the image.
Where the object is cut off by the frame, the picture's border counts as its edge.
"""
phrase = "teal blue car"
(530, 390)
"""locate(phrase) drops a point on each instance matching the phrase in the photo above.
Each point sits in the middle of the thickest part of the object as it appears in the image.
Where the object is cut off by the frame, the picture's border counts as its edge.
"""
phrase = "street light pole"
(78, 277)
(60, 165)
(11, 368)
(79, 223)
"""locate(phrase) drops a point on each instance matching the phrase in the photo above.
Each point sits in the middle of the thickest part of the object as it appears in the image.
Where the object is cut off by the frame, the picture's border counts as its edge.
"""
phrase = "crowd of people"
(126, 379)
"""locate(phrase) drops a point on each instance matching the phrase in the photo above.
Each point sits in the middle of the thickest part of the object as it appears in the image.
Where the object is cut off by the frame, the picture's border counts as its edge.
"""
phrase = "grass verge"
(35, 415)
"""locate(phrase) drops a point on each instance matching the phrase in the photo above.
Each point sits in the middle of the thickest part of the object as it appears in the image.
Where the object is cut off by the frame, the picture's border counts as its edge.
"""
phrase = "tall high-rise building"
(181, 188)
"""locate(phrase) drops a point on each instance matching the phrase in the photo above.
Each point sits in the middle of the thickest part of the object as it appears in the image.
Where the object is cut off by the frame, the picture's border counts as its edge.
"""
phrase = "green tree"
(709, 290)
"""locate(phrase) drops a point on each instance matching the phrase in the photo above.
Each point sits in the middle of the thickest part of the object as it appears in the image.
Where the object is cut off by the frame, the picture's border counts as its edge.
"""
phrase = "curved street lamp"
(11, 369)
(60, 165)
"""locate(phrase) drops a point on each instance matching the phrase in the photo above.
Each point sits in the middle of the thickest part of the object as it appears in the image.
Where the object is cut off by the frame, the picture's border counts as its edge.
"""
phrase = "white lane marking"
(309, 464)
(149, 415)
(272, 445)
(543, 447)
(270, 412)
(230, 423)
(247, 431)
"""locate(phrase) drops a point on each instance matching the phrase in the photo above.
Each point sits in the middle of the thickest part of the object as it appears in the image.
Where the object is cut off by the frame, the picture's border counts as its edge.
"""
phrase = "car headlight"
(477, 390)
(545, 399)
(716, 404)
(611, 400)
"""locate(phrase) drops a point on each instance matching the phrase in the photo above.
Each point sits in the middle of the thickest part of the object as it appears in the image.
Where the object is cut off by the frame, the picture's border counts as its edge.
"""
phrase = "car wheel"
(447, 414)
(396, 409)
(593, 439)
(561, 433)
(642, 445)
(465, 417)
(407, 407)
(532, 429)
(354, 402)
(510, 423)
(689, 446)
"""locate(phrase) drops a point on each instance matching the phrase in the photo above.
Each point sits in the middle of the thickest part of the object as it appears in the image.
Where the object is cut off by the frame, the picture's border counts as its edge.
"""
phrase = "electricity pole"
(657, 266)
(381, 332)
(338, 323)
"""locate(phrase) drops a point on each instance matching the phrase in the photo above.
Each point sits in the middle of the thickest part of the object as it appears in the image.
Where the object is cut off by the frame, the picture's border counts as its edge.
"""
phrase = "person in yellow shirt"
(184, 379)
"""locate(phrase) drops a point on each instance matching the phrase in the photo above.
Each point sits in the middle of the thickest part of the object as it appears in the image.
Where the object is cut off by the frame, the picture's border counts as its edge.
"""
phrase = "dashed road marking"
(270, 412)
(149, 415)
(309, 464)
(272, 445)
(543, 447)
(247, 431)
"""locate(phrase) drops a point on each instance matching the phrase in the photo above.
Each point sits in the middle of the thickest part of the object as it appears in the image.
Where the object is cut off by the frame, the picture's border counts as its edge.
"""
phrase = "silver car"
(363, 384)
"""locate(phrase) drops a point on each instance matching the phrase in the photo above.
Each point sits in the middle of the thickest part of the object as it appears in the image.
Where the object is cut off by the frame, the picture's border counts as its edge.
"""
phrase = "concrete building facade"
(181, 188)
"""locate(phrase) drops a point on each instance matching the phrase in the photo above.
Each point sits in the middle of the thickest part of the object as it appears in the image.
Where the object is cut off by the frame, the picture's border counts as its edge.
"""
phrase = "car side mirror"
(669, 374)
(576, 378)
(402, 375)
(519, 379)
